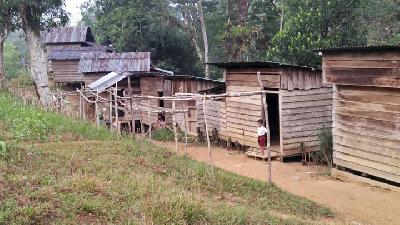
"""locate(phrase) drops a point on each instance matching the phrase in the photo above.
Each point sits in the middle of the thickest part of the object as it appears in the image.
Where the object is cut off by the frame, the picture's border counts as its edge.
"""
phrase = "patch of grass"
(102, 179)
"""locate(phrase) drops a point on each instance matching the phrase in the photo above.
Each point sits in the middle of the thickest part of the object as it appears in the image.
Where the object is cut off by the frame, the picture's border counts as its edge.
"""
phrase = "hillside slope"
(57, 170)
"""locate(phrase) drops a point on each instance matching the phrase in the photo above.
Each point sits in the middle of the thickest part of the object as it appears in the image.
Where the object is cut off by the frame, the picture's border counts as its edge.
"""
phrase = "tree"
(316, 24)
(12, 61)
(7, 25)
(35, 16)
(141, 25)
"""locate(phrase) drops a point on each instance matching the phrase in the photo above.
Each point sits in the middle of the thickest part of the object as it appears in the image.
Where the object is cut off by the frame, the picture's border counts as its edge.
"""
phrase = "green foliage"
(325, 153)
(12, 60)
(141, 25)
(163, 134)
(30, 123)
(316, 24)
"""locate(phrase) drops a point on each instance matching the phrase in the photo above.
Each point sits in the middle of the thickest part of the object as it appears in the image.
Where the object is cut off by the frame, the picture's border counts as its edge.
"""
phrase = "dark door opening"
(273, 117)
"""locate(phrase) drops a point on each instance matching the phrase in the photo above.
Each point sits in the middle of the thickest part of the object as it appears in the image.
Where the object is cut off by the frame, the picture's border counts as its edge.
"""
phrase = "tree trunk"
(37, 57)
(191, 30)
(205, 39)
(2, 72)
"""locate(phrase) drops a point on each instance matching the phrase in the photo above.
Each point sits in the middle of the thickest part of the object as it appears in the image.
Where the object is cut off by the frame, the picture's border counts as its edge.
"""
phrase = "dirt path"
(355, 203)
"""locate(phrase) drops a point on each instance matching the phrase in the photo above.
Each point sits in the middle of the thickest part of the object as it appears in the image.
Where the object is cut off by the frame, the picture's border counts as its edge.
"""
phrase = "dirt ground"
(354, 203)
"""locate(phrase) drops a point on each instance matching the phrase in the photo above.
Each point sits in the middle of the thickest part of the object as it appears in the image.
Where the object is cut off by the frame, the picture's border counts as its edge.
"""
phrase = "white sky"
(72, 6)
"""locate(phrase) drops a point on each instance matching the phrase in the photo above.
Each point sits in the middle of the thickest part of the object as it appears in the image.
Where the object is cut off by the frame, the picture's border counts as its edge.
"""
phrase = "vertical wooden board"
(284, 84)
(290, 80)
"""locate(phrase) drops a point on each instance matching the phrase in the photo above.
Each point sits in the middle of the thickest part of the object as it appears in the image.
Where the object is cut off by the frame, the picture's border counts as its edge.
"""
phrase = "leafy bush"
(163, 134)
(325, 153)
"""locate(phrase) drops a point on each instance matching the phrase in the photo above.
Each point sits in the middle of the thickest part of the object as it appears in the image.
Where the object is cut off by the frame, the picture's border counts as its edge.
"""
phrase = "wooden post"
(174, 124)
(110, 111)
(83, 108)
(149, 118)
(186, 139)
(116, 107)
(96, 109)
(133, 128)
(80, 106)
(264, 103)
(208, 135)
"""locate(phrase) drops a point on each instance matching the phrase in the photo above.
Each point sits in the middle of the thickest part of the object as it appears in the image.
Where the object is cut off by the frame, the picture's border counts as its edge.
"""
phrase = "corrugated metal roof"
(95, 62)
(107, 81)
(74, 53)
(69, 35)
(358, 48)
(256, 64)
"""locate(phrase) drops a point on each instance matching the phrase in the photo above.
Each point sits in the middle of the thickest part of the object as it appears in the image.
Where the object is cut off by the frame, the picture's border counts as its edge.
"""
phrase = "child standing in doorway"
(262, 135)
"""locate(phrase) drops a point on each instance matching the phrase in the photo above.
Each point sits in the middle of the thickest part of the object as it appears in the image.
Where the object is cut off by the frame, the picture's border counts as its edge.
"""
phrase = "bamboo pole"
(175, 124)
(149, 118)
(264, 103)
(133, 128)
(110, 112)
(80, 107)
(96, 109)
(208, 135)
(186, 138)
(116, 107)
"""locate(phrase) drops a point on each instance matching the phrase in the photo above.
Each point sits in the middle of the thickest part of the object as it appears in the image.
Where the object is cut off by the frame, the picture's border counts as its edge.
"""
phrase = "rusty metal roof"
(95, 62)
(69, 35)
(74, 53)
(107, 81)
(358, 48)
(256, 64)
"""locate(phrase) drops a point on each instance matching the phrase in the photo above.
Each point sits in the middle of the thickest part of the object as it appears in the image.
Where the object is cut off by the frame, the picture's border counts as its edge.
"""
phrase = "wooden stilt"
(264, 103)
(149, 118)
(208, 135)
(185, 126)
(175, 124)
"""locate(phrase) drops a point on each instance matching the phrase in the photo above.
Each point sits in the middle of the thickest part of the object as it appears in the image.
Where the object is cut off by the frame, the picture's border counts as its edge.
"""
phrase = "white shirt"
(261, 131)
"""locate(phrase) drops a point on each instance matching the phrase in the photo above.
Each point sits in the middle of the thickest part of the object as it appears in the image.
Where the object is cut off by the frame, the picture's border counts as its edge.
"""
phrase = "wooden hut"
(68, 37)
(64, 46)
(366, 108)
(65, 62)
(298, 108)
(146, 80)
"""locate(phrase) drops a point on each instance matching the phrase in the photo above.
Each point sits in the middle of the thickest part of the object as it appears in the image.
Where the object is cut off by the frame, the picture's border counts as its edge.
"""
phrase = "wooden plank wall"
(378, 69)
(66, 71)
(303, 114)
(242, 113)
(216, 116)
(301, 79)
(150, 86)
(366, 130)
(89, 78)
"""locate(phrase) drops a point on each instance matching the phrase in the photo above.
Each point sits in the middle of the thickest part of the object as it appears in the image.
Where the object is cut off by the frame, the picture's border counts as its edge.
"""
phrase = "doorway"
(273, 118)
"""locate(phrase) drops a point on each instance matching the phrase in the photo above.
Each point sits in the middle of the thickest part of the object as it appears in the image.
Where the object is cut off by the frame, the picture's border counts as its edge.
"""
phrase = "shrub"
(325, 153)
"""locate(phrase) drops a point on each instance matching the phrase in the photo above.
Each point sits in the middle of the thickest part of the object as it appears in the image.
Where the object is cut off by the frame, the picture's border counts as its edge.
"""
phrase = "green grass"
(74, 172)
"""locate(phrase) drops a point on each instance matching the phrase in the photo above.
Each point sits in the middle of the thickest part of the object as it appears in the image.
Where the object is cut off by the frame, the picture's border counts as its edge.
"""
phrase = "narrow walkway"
(355, 203)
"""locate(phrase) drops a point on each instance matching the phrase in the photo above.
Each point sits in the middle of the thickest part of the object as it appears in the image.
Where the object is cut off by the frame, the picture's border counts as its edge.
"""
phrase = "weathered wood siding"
(363, 68)
(151, 86)
(89, 78)
(66, 71)
(366, 130)
(303, 114)
(300, 79)
(216, 116)
(242, 113)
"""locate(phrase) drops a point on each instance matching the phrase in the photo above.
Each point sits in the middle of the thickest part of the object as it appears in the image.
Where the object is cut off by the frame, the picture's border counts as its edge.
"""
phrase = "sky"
(72, 6)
